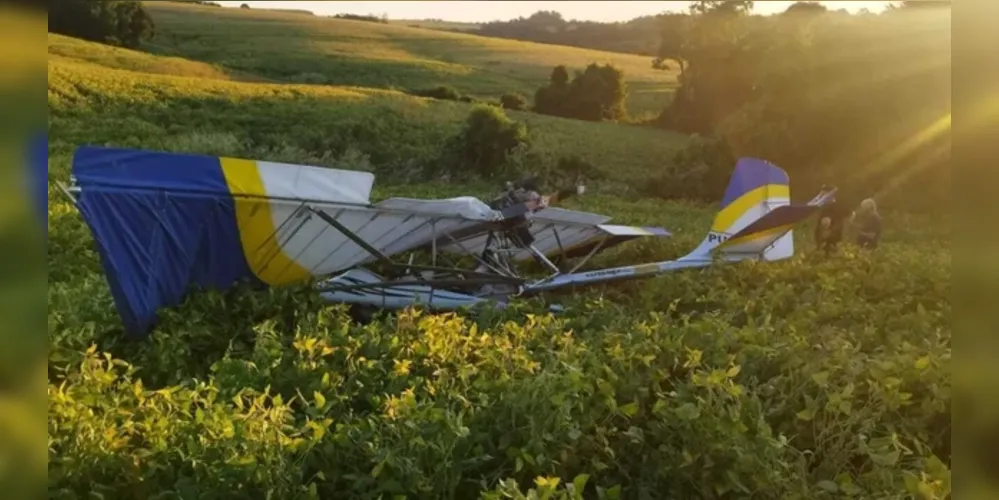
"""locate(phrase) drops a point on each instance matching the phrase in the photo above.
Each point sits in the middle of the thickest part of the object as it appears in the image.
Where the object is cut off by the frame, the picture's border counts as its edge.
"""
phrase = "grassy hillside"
(100, 94)
(311, 49)
(64, 49)
(816, 377)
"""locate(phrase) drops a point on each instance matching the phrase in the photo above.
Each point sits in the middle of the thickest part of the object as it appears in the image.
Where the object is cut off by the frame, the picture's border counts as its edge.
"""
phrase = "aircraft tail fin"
(756, 216)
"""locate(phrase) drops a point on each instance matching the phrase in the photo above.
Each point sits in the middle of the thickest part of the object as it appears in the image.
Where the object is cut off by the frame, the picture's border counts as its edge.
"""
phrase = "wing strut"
(350, 234)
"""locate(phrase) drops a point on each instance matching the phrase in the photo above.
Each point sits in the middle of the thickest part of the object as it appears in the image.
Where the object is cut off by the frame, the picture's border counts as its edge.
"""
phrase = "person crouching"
(867, 221)
(829, 231)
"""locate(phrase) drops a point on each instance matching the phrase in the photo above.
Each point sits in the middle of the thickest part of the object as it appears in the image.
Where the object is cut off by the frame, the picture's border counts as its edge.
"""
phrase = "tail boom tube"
(616, 274)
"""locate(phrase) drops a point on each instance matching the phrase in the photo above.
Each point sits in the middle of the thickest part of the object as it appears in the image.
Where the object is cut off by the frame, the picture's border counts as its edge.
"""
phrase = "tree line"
(861, 101)
(115, 22)
(383, 19)
(637, 36)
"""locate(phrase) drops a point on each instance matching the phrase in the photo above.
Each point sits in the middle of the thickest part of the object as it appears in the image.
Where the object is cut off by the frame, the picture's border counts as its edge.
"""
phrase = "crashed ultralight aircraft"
(165, 221)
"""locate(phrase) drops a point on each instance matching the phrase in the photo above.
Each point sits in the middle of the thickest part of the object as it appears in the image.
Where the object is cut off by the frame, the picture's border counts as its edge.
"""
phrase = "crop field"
(107, 94)
(295, 48)
(815, 377)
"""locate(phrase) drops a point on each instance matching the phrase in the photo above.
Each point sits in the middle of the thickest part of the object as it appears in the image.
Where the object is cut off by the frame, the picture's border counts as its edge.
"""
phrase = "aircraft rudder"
(755, 188)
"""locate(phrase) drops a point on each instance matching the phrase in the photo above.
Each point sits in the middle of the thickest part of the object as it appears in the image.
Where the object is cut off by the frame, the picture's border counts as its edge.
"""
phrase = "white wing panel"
(315, 183)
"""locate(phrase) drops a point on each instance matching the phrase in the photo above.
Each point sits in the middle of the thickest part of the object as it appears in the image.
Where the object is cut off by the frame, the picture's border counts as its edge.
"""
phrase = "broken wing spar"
(165, 221)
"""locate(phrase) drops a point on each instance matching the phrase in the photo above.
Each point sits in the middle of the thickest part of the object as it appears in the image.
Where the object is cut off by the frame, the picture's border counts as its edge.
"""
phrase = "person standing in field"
(867, 220)
(829, 231)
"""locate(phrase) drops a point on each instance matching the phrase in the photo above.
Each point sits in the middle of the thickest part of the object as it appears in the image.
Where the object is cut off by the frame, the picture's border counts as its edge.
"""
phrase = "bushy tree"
(719, 46)
(486, 142)
(721, 7)
(700, 170)
(673, 42)
(513, 101)
(115, 22)
(549, 100)
(559, 76)
(862, 102)
(444, 92)
(806, 7)
(598, 93)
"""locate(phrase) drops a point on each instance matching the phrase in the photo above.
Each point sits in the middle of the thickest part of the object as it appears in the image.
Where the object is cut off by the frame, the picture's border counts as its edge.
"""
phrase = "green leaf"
(828, 485)
(659, 407)
(688, 411)
(734, 479)
(579, 483)
(378, 469)
(922, 363)
(320, 399)
(847, 391)
(806, 414)
(733, 371)
(885, 459)
(820, 378)
(845, 407)
(613, 493)
(925, 490)
(392, 486)
(629, 409)
(850, 489)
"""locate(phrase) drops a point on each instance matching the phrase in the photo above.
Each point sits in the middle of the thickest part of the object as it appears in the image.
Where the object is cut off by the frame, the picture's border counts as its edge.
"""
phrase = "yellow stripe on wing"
(256, 225)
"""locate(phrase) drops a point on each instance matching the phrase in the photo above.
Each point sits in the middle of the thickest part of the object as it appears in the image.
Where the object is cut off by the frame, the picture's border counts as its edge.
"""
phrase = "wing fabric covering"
(163, 222)
(166, 221)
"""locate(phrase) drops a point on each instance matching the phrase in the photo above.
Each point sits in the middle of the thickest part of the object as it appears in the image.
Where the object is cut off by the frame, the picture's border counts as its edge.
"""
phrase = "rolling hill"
(291, 47)
(102, 94)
